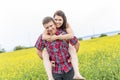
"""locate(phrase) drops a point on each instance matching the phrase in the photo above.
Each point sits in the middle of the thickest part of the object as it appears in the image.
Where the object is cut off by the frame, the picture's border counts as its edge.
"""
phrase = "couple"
(59, 57)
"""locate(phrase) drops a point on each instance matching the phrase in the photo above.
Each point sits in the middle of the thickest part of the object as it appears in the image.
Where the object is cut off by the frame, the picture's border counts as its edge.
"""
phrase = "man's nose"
(50, 28)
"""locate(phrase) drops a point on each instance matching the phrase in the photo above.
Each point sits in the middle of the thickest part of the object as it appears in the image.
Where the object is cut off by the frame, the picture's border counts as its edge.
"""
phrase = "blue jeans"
(65, 76)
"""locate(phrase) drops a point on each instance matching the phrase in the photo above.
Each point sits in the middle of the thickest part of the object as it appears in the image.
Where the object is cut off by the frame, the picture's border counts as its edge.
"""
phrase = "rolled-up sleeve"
(73, 41)
(40, 44)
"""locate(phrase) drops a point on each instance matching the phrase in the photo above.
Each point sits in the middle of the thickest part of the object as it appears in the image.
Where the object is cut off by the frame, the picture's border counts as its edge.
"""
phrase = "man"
(57, 50)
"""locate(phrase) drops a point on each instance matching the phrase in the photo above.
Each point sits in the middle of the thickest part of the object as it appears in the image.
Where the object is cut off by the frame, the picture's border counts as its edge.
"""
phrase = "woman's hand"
(52, 38)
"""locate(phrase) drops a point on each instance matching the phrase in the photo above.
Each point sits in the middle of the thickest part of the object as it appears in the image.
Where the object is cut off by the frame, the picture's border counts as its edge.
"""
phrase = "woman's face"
(58, 21)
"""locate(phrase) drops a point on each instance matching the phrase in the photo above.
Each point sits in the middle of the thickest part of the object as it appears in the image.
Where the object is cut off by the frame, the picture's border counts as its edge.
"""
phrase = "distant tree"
(103, 35)
(118, 33)
(2, 50)
(93, 37)
(19, 48)
(80, 39)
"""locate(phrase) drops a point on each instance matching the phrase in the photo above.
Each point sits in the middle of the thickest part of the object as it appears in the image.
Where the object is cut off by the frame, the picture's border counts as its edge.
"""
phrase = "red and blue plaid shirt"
(58, 52)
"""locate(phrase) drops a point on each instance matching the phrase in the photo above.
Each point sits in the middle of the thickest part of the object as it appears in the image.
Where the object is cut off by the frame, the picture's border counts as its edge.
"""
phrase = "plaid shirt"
(58, 52)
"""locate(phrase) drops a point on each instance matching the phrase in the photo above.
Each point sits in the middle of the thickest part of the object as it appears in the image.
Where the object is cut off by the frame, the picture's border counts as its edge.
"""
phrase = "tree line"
(19, 47)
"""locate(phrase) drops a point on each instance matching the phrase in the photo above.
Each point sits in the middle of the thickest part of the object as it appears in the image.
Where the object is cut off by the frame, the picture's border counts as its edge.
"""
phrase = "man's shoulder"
(40, 35)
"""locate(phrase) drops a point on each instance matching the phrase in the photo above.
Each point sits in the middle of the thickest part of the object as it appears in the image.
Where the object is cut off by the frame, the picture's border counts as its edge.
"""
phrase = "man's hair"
(47, 20)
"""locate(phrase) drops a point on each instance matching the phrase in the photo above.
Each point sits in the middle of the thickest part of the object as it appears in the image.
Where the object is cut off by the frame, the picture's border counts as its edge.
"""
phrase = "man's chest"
(57, 45)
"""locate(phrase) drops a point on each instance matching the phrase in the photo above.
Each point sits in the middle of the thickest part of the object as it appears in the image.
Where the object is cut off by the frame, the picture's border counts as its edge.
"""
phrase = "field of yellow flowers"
(99, 59)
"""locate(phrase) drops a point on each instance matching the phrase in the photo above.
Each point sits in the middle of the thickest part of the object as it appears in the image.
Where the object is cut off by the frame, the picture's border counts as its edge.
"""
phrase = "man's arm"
(77, 45)
(40, 45)
(75, 42)
(39, 53)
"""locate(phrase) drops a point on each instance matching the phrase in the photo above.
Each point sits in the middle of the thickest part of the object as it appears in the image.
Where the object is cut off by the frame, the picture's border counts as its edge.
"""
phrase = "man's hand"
(69, 60)
(53, 63)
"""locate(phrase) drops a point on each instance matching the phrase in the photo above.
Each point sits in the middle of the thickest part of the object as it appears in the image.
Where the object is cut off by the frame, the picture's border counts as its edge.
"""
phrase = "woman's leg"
(74, 61)
(47, 64)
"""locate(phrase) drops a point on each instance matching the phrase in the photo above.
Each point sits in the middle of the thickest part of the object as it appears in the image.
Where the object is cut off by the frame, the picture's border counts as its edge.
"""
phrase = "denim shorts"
(65, 76)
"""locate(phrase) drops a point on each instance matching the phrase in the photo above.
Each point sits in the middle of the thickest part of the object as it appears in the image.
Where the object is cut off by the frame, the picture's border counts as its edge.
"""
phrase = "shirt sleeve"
(73, 41)
(40, 44)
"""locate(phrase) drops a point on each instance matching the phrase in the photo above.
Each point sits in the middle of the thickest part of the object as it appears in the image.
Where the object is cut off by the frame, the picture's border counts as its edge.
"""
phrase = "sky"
(21, 20)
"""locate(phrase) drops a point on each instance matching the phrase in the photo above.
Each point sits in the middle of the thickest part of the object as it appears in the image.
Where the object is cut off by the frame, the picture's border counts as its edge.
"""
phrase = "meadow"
(99, 59)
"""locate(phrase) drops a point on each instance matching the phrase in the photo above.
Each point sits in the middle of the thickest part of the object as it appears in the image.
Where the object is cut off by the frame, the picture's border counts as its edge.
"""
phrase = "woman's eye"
(55, 19)
(59, 19)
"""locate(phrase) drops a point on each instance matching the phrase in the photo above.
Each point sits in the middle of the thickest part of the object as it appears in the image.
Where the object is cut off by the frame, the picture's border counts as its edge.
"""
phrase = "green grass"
(99, 59)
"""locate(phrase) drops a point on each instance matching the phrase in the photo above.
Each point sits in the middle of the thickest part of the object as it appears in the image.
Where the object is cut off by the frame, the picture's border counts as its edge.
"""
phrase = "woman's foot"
(50, 79)
(78, 77)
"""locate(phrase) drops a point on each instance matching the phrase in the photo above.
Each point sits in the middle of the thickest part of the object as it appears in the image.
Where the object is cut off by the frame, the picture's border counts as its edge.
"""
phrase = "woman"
(61, 23)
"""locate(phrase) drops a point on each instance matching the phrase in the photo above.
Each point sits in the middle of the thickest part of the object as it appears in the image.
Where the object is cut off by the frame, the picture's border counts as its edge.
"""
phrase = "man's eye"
(46, 27)
(50, 25)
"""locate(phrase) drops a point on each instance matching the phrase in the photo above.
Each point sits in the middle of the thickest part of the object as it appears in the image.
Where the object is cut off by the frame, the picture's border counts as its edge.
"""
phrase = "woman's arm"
(48, 37)
(45, 35)
(69, 34)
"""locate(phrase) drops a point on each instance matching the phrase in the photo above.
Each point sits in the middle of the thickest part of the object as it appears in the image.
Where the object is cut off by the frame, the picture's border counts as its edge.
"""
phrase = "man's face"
(50, 27)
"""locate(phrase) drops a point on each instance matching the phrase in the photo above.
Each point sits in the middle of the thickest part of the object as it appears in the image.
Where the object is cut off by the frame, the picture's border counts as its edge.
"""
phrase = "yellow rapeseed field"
(99, 59)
